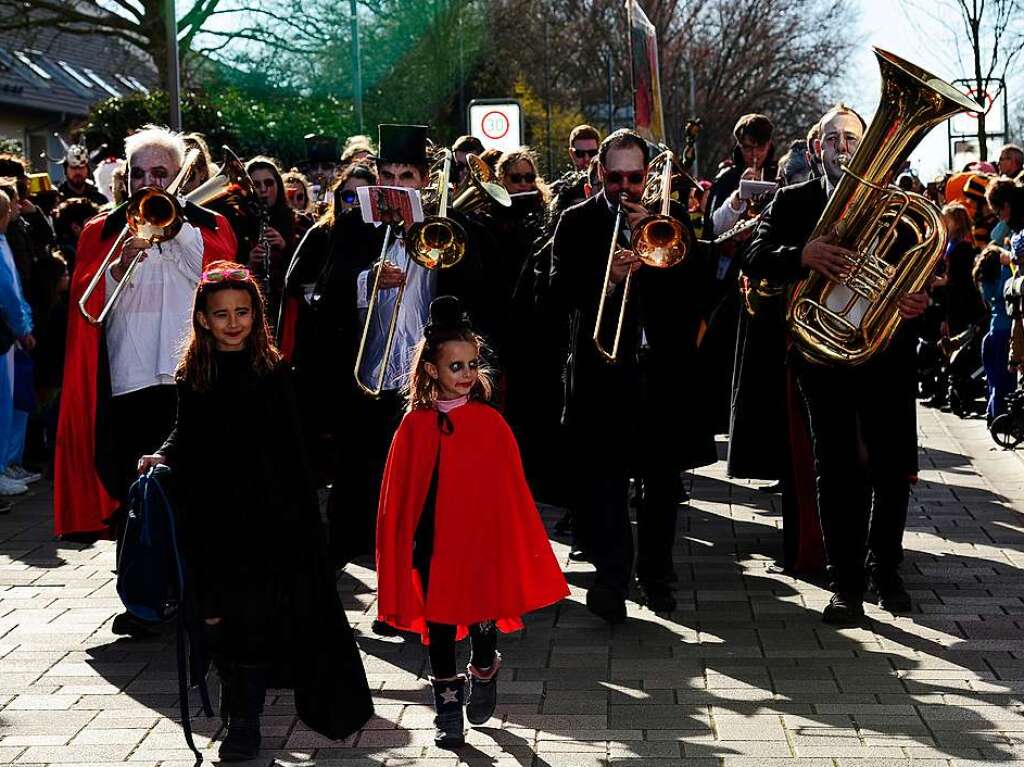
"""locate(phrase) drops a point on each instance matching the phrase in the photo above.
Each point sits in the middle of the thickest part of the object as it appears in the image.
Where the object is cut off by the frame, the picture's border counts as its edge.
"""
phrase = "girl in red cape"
(461, 548)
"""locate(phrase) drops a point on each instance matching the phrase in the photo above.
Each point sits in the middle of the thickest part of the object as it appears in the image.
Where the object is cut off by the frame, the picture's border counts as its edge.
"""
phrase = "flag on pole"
(648, 118)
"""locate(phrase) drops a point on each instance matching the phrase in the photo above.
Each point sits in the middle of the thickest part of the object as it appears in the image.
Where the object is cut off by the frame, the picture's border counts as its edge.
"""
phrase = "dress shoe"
(891, 593)
(382, 629)
(606, 604)
(843, 610)
(657, 597)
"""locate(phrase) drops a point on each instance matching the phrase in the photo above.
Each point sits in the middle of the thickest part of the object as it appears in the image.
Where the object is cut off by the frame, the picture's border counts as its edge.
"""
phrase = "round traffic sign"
(495, 124)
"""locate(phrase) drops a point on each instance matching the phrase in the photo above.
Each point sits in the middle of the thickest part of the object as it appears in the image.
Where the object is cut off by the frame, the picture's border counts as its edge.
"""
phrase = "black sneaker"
(843, 610)
(127, 625)
(483, 691)
(657, 597)
(606, 604)
(891, 593)
(382, 629)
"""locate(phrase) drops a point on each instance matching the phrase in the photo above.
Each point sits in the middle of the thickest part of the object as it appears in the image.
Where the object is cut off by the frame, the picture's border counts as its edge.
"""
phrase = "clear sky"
(922, 39)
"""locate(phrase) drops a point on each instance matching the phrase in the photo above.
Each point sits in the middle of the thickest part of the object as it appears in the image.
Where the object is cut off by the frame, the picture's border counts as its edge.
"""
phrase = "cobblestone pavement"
(743, 674)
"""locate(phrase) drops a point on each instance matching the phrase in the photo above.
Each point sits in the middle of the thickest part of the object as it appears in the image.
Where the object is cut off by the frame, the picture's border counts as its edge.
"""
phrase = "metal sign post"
(962, 129)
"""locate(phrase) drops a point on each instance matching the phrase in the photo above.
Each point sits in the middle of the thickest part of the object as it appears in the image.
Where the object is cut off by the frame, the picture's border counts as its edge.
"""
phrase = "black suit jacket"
(661, 396)
(885, 383)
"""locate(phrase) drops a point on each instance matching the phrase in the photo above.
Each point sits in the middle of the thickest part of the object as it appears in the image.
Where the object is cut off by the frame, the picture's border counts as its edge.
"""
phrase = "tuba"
(849, 321)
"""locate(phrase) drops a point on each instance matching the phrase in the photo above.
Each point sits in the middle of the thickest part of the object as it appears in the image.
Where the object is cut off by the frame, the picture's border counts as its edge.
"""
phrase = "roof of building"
(63, 72)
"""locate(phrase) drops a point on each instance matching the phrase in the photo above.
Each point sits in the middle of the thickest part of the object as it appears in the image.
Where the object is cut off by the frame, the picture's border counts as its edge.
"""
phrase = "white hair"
(155, 137)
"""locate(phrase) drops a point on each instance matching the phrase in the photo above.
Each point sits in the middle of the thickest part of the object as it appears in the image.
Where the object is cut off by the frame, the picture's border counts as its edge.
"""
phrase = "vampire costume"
(253, 543)
(99, 441)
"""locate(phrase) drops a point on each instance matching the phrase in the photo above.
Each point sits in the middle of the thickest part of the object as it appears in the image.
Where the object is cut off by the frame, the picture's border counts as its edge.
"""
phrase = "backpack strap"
(183, 702)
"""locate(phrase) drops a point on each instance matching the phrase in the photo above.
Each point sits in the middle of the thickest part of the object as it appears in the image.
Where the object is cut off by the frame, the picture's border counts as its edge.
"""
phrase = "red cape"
(81, 502)
(492, 559)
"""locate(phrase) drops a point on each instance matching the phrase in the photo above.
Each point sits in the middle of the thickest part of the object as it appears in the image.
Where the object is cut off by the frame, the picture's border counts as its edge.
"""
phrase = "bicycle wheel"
(1007, 431)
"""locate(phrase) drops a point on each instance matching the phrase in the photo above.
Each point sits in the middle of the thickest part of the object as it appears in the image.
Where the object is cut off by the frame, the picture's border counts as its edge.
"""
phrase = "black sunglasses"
(581, 153)
(617, 177)
(519, 178)
(348, 196)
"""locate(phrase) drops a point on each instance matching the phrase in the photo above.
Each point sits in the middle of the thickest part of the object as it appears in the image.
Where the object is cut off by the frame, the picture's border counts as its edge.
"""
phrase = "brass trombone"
(659, 241)
(156, 215)
(437, 242)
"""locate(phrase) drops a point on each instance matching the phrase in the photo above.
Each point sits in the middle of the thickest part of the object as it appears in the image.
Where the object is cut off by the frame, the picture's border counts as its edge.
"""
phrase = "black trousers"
(600, 502)
(352, 504)
(140, 421)
(859, 419)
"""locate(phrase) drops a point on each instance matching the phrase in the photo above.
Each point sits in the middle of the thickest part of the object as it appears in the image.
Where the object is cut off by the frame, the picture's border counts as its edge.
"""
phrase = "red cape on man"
(491, 559)
(81, 502)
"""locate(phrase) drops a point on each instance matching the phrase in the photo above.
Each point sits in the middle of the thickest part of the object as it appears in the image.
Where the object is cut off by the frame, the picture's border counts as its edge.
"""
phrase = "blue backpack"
(151, 582)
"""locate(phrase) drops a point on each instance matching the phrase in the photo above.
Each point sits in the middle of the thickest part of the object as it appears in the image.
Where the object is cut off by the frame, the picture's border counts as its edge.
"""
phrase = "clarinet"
(262, 273)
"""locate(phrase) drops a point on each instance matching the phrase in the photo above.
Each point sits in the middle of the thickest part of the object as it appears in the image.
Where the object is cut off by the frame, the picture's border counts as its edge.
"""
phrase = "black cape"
(252, 530)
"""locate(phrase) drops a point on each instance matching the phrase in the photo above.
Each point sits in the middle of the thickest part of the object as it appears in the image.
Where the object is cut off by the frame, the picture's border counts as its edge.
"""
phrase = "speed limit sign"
(498, 123)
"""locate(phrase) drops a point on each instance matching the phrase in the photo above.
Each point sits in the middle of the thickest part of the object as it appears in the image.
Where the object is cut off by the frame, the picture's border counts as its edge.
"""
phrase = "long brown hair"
(423, 391)
(197, 367)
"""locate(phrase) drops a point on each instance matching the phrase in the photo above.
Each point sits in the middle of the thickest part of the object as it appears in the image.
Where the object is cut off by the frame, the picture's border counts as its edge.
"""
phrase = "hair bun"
(446, 314)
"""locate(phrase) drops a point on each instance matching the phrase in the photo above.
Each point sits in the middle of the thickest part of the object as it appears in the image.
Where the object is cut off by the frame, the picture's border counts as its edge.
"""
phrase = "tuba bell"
(480, 190)
(851, 320)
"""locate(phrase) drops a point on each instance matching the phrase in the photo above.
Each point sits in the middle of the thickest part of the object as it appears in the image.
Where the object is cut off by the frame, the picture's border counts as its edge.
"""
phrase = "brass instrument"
(659, 241)
(850, 320)
(437, 242)
(156, 215)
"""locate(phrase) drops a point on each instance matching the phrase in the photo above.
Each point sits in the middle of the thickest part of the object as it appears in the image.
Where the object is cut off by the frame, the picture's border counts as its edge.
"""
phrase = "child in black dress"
(253, 540)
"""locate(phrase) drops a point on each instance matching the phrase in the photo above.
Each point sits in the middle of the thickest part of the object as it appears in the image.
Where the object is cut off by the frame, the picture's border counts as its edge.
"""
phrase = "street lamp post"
(357, 67)
(173, 69)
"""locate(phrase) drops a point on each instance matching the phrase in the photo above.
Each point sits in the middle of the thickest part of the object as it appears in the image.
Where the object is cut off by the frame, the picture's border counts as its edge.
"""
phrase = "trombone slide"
(375, 390)
(613, 354)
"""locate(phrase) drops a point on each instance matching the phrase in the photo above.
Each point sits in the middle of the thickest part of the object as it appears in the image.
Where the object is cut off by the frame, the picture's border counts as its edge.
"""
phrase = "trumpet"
(437, 242)
(156, 215)
(659, 241)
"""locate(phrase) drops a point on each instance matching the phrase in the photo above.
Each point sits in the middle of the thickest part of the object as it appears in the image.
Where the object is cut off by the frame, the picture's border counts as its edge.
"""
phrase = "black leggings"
(483, 638)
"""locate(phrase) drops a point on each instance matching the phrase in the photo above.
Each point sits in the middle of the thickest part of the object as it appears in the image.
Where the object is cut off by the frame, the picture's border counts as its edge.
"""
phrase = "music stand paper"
(390, 205)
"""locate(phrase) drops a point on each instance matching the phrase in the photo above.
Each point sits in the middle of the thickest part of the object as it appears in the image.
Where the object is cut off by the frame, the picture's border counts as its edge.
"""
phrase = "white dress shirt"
(151, 320)
(420, 287)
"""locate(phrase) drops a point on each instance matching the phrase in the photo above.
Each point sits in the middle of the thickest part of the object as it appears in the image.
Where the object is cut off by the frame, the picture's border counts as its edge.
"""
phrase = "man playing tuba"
(862, 418)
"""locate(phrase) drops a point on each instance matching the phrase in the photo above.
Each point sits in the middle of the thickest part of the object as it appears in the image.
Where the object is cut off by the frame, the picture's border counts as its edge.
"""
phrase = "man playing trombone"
(401, 162)
(119, 398)
(628, 417)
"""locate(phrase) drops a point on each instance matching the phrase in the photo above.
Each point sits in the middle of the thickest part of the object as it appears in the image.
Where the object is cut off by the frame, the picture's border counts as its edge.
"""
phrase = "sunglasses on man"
(587, 153)
(617, 177)
(520, 178)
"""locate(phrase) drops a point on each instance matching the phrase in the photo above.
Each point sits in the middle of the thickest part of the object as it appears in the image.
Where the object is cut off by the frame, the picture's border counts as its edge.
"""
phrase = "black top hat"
(446, 315)
(402, 143)
(321, 148)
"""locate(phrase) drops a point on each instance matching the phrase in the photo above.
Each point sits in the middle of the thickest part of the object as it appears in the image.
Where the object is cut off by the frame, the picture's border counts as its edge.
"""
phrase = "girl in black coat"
(252, 534)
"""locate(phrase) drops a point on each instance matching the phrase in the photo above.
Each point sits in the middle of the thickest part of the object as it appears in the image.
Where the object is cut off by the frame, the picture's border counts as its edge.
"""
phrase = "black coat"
(253, 539)
(663, 397)
(885, 383)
